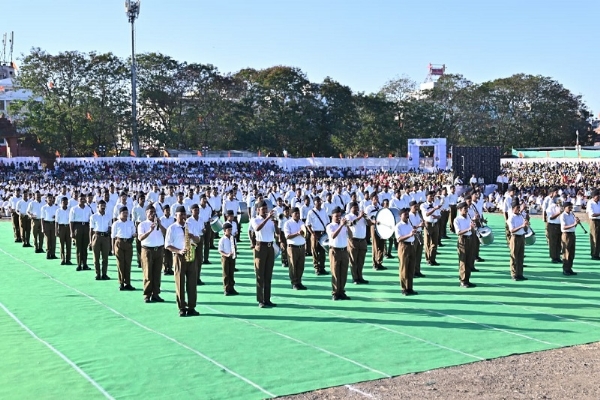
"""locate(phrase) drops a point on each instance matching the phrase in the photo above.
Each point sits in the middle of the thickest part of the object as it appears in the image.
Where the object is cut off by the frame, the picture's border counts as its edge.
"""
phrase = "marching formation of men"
(170, 230)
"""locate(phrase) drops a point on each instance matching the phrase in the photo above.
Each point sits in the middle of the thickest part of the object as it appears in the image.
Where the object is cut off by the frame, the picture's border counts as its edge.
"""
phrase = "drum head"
(386, 220)
(324, 241)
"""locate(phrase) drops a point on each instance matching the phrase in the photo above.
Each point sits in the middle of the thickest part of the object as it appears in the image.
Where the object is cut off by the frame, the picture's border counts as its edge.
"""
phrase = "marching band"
(327, 222)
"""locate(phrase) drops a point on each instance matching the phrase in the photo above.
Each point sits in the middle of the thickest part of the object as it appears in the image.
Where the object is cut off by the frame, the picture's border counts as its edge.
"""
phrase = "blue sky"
(359, 43)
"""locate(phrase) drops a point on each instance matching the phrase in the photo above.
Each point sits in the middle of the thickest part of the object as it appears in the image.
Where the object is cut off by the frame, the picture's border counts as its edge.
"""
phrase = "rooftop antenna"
(12, 42)
(3, 55)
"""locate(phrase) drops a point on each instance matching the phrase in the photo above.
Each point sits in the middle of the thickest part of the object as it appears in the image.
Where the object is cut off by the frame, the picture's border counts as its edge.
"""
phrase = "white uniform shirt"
(312, 220)
(175, 236)
(227, 245)
(49, 212)
(78, 214)
(341, 241)
(195, 227)
(62, 216)
(514, 221)
(138, 214)
(167, 222)
(267, 233)
(552, 209)
(592, 208)
(123, 230)
(100, 223)
(22, 206)
(425, 207)
(403, 229)
(415, 219)
(358, 227)
(155, 239)
(116, 212)
(291, 227)
(461, 223)
(567, 219)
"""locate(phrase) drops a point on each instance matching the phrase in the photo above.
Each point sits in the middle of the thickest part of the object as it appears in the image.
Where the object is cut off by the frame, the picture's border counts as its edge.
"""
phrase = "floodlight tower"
(132, 9)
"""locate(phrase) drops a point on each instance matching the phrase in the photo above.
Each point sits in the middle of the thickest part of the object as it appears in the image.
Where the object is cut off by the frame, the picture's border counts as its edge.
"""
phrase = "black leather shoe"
(345, 297)
(467, 285)
(522, 278)
(474, 269)
(301, 287)
(572, 272)
(335, 297)
(404, 292)
(69, 263)
(182, 313)
(199, 283)
(78, 268)
(434, 263)
(270, 304)
(158, 299)
(419, 275)
(226, 293)
(86, 268)
(556, 261)
(261, 305)
(206, 262)
(128, 287)
(191, 312)
(440, 245)
(121, 287)
(105, 277)
(147, 300)
(233, 292)
(363, 282)
(479, 259)
(236, 270)
(379, 268)
(295, 287)
(62, 263)
(98, 277)
(412, 293)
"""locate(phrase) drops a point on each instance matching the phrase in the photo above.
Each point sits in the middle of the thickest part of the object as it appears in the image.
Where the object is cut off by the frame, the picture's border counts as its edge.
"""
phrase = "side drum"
(244, 217)
(215, 224)
(324, 242)
(485, 235)
(385, 222)
(529, 238)
(276, 250)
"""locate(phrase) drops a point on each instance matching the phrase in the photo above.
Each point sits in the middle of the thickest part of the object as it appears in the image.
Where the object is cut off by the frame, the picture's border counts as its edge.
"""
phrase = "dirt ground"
(567, 373)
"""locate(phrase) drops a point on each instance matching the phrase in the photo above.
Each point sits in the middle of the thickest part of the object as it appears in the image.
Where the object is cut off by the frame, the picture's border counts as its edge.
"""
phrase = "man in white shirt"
(205, 215)
(48, 226)
(405, 234)
(79, 220)
(123, 233)
(518, 226)
(357, 246)
(167, 220)
(378, 248)
(593, 212)
(265, 230)
(24, 220)
(151, 235)
(339, 235)
(227, 251)
(100, 224)
(196, 227)
(464, 228)
(61, 219)
(316, 221)
(553, 233)
(138, 215)
(15, 216)
(568, 223)
(186, 273)
(431, 216)
(293, 232)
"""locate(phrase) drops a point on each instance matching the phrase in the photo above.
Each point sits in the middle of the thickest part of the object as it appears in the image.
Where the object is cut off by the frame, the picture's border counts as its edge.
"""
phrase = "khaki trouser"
(296, 256)
(283, 246)
(595, 237)
(568, 244)
(465, 257)
(264, 260)
(318, 252)
(452, 216)
(517, 254)
(444, 217)
(124, 255)
(198, 258)
(152, 258)
(419, 253)
(100, 248)
(50, 234)
(338, 262)
(186, 276)
(378, 247)
(406, 260)
(228, 267)
(206, 241)
(358, 252)
(167, 260)
(38, 236)
(82, 241)
(16, 226)
(25, 224)
(554, 240)
(431, 241)
(64, 234)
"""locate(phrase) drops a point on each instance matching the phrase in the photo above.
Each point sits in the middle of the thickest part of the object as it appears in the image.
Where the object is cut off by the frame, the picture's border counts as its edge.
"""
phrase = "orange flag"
(131, 153)
(199, 153)
(57, 154)
(95, 154)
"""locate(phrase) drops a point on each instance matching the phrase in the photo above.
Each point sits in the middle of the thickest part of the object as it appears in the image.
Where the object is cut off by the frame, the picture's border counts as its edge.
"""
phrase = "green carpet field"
(65, 335)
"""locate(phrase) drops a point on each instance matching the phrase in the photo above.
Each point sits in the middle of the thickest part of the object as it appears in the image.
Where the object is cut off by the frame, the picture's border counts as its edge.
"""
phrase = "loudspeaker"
(481, 161)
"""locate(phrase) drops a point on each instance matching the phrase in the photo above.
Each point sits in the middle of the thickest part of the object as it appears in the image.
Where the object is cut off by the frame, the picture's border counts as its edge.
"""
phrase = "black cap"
(295, 210)
(194, 206)
(261, 204)
(180, 209)
(404, 210)
(149, 207)
(123, 209)
(227, 225)
(229, 212)
(567, 204)
(337, 210)
(462, 204)
(413, 203)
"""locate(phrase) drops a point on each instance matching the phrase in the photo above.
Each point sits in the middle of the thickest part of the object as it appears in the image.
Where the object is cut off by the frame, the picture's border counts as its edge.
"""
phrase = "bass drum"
(324, 242)
(385, 222)
(215, 224)
(244, 217)
(529, 238)
(485, 235)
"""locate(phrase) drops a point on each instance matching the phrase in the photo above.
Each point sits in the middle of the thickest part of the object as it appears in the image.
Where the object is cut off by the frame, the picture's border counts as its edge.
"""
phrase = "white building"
(8, 91)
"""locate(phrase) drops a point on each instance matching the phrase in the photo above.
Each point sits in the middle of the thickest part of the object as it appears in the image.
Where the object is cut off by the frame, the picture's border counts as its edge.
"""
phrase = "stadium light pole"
(132, 9)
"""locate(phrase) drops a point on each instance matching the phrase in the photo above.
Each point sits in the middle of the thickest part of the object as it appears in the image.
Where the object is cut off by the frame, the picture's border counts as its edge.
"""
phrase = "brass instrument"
(417, 234)
(188, 246)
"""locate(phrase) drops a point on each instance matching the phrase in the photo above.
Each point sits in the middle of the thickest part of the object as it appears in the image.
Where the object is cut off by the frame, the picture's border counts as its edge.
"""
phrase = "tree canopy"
(82, 102)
